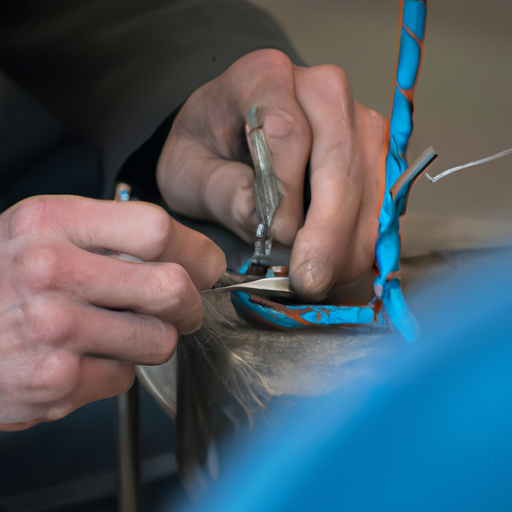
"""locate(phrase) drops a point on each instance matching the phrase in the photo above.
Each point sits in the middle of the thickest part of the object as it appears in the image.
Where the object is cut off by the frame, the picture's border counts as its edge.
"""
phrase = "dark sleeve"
(114, 70)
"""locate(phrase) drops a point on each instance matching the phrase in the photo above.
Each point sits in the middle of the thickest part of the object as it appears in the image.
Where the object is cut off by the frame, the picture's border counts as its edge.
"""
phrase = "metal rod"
(267, 198)
(128, 450)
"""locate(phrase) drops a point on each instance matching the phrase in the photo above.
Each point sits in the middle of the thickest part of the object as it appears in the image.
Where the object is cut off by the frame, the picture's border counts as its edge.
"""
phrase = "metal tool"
(129, 484)
(267, 198)
(270, 287)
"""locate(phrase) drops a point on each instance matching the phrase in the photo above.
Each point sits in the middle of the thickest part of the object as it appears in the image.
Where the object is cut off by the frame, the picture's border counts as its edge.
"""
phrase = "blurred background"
(463, 109)
(463, 105)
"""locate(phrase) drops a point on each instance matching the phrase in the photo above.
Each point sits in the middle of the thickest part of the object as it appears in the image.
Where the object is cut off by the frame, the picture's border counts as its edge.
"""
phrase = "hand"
(307, 114)
(74, 321)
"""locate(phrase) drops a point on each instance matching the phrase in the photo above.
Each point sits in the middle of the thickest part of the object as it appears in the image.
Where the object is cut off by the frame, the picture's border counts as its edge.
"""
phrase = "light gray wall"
(463, 100)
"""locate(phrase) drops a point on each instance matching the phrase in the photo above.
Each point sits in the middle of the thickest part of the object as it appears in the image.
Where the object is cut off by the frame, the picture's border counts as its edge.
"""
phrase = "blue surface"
(428, 430)
(414, 15)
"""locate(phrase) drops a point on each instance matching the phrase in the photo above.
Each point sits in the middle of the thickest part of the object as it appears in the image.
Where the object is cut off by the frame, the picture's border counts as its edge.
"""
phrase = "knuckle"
(56, 377)
(160, 282)
(58, 412)
(49, 323)
(180, 283)
(280, 124)
(334, 75)
(29, 216)
(169, 287)
(335, 81)
(161, 348)
(39, 265)
(164, 353)
(271, 57)
(159, 229)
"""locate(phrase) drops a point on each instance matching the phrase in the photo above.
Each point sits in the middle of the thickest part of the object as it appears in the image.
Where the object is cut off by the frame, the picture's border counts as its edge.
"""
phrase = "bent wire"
(501, 154)
(388, 303)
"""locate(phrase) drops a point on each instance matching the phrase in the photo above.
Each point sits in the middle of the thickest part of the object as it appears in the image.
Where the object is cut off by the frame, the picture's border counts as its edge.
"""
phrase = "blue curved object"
(299, 316)
(426, 429)
(389, 303)
(388, 247)
(289, 316)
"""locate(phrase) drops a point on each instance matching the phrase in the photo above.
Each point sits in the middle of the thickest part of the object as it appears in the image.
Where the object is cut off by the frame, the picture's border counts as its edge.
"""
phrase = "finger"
(318, 253)
(163, 290)
(17, 426)
(202, 259)
(329, 248)
(270, 103)
(140, 229)
(201, 171)
(48, 324)
(119, 335)
(197, 172)
(51, 399)
(98, 379)
(210, 188)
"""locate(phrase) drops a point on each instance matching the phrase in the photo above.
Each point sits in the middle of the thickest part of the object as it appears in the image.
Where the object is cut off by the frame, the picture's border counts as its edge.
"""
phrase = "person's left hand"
(307, 115)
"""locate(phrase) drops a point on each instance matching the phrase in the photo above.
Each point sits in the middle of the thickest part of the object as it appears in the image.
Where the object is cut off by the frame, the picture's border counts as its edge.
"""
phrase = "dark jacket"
(112, 71)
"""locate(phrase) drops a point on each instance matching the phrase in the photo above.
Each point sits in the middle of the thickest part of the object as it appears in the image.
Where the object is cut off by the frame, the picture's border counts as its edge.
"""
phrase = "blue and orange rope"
(388, 247)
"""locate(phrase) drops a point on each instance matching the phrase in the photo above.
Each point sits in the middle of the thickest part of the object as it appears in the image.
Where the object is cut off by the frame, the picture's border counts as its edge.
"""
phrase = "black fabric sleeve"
(139, 168)
(114, 70)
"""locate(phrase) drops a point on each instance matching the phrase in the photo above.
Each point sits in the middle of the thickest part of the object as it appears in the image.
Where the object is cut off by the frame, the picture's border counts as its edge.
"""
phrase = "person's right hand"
(310, 119)
(74, 321)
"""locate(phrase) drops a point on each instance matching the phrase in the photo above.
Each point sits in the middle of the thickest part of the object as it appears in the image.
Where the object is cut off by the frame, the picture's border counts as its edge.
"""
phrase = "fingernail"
(251, 118)
(312, 279)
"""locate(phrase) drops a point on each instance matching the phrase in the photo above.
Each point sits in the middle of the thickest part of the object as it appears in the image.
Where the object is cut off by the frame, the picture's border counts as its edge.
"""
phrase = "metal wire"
(465, 166)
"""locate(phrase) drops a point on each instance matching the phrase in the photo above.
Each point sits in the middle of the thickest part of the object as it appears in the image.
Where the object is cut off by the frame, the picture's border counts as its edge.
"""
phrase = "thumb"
(198, 182)
(229, 197)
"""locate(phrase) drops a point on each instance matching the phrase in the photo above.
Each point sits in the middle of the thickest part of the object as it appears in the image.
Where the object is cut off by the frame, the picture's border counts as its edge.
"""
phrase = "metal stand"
(128, 450)
(128, 429)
